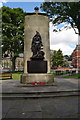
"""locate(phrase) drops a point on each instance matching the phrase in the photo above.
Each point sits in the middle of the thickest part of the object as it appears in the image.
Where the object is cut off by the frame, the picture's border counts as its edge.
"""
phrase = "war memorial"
(36, 48)
(21, 99)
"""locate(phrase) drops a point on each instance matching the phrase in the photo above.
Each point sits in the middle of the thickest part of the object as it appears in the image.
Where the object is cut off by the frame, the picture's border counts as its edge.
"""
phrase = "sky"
(26, 6)
(66, 40)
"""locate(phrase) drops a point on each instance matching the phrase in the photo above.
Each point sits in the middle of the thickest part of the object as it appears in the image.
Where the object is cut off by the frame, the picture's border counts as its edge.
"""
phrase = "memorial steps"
(38, 94)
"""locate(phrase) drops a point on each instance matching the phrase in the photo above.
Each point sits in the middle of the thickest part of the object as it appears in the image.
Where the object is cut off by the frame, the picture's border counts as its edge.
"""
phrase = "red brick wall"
(76, 58)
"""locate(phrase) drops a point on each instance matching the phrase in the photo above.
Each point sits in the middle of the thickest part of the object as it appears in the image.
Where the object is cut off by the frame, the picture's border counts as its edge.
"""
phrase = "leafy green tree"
(65, 64)
(13, 32)
(64, 12)
(68, 57)
(57, 59)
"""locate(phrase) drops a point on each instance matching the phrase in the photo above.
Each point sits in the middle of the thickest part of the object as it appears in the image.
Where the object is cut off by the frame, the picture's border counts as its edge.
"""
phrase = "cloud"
(0, 5)
(3, 1)
(66, 50)
(65, 40)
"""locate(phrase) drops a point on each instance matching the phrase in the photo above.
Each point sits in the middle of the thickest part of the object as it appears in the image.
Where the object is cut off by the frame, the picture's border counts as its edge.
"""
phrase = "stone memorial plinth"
(36, 49)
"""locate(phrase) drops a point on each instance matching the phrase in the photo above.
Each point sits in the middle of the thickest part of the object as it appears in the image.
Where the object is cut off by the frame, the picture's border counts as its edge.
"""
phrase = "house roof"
(63, 68)
(77, 47)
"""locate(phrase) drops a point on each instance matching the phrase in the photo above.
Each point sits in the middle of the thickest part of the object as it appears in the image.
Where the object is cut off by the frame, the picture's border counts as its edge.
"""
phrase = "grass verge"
(73, 76)
(17, 75)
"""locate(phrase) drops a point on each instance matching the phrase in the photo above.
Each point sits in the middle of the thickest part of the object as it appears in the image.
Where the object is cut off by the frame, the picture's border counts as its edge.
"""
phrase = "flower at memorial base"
(34, 83)
(41, 83)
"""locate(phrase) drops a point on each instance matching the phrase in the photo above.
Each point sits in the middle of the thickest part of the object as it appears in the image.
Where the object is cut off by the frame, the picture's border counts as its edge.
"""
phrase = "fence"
(6, 63)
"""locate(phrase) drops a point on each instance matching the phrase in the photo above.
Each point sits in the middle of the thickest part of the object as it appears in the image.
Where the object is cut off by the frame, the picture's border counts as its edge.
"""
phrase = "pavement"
(57, 100)
(11, 86)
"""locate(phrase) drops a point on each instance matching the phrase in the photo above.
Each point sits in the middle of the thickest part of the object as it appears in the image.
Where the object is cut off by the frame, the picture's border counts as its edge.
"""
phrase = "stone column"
(33, 23)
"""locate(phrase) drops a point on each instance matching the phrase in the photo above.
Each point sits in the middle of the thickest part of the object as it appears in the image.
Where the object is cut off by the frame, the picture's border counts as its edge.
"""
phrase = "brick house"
(76, 57)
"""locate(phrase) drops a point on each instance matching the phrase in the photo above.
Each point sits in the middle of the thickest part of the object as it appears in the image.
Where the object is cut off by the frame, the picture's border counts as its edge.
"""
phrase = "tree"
(64, 12)
(68, 57)
(12, 31)
(57, 59)
(65, 64)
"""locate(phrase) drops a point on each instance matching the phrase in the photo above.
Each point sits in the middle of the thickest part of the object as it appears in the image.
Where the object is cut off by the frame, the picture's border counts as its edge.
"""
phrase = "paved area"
(55, 107)
(60, 84)
(62, 107)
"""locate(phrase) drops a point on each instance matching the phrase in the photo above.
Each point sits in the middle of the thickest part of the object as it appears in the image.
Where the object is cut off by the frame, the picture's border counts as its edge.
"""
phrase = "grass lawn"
(17, 75)
(73, 76)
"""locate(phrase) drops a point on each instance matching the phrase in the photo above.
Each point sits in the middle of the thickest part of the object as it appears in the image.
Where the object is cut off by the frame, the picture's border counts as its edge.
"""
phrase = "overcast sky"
(65, 40)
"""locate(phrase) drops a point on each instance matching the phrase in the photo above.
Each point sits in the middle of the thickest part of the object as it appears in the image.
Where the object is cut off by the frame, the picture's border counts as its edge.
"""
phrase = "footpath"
(57, 100)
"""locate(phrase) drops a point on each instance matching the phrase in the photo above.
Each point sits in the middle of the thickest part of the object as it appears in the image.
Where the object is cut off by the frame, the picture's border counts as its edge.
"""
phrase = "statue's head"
(37, 32)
